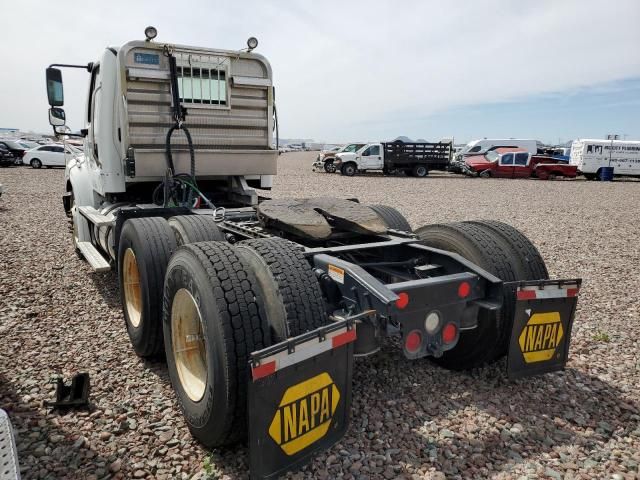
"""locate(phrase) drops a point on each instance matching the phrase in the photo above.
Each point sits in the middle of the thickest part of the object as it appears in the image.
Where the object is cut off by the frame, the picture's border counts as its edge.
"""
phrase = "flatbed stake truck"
(260, 304)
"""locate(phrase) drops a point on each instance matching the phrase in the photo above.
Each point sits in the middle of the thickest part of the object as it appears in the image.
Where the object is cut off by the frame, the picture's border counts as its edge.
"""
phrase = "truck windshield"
(492, 156)
(353, 147)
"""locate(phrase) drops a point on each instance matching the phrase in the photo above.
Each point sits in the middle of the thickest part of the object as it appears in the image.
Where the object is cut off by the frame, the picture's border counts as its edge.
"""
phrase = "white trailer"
(590, 155)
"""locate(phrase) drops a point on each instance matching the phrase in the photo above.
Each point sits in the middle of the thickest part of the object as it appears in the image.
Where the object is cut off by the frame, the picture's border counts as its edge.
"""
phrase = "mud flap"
(542, 326)
(299, 398)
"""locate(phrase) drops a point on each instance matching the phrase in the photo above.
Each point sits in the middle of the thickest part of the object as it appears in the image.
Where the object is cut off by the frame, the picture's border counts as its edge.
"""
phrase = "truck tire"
(293, 298)
(419, 171)
(484, 344)
(349, 169)
(526, 263)
(532, 266)
(329, 166)
(195, 228)
(212, 322)
(144, 250)
(392, 217)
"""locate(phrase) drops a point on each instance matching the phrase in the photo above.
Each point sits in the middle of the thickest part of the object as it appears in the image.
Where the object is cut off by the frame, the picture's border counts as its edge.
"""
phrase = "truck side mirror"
(57, 117)
(55, 92)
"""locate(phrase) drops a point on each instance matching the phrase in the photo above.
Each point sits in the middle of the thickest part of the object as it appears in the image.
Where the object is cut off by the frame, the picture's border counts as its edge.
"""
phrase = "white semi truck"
(260, 305)
(590, 155)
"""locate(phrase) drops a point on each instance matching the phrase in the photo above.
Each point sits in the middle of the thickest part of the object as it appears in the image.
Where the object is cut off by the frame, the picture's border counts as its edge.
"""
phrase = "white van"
(482, 146)
(589, 155)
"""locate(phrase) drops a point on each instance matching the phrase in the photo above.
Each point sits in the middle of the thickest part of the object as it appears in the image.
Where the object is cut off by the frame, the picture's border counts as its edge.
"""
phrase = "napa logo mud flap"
(542, 326)
(299, 398)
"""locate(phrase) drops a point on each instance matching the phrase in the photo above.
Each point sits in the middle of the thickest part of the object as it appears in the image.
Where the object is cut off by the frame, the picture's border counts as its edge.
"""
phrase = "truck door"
(521, 168)
(505, 166)
(372, 158)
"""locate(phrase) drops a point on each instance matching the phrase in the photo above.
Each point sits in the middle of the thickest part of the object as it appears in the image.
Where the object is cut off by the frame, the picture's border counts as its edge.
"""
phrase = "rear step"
(93, 256)
(95, 217)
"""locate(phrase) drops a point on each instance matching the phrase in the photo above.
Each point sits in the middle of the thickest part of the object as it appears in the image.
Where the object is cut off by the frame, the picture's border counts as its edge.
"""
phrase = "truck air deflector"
(299, 402)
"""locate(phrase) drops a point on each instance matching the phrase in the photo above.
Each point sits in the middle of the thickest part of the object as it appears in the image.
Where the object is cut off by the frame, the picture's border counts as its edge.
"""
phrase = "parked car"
(517, 163)
(15, 148)
(6, 157)
(326, 157)
(46, 156)
(28, 144)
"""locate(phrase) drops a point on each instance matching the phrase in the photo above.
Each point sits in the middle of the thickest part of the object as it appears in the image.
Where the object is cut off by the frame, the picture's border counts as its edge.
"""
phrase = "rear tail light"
(413, 341)
(403, 300)
(464, 289)
(432, 322)
(449, 333)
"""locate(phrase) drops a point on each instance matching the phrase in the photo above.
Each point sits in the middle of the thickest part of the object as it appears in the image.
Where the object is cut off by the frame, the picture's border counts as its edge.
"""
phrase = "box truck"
(590, 155)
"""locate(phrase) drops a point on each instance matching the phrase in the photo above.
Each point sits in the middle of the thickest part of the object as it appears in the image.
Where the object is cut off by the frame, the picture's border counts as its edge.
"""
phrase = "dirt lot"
(409, 419)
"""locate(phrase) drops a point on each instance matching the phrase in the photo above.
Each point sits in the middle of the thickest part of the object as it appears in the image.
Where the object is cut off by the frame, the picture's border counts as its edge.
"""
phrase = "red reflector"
(263, 370)
(526, 294)
(572, 292)
(464, 289)
(449, 333)
(343, 338)
(403, 300)
(413, 341)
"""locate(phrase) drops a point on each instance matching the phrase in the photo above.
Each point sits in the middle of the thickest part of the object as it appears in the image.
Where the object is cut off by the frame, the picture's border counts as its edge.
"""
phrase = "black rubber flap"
(299, 399)
(542, 327)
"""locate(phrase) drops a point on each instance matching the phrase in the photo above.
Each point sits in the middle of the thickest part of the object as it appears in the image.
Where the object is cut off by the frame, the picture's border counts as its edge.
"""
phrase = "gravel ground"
(57, 317)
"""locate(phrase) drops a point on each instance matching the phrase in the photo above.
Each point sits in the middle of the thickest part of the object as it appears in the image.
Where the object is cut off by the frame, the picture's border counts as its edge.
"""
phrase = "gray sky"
(343, 70)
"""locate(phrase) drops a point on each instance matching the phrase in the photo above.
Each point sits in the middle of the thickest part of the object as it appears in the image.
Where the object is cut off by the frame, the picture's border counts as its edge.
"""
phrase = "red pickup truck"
(509, 162)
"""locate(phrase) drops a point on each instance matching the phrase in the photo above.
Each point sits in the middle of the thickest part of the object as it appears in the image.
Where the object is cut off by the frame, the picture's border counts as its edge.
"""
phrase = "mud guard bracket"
(542, 325)
(299, 398)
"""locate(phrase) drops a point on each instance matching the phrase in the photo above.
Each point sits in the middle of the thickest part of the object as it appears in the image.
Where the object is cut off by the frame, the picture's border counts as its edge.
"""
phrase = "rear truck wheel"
(195, 228)
(392, 217)
(349, 169)
(36, 163)
(212, 321)
(329, 166)
(483, 344)
(420, 171)
(525, 259)
(144, 250)
(293, 299)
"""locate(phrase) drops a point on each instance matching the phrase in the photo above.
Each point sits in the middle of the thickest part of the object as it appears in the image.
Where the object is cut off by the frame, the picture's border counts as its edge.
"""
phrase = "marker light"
(432, 322)
(413, 341)
(449, 333)
(464, 289)
(403, 300)
(150, 33)
(252, 43)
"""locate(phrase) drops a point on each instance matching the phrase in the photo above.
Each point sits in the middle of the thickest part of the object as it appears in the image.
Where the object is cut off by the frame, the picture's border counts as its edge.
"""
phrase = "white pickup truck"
(415, 159)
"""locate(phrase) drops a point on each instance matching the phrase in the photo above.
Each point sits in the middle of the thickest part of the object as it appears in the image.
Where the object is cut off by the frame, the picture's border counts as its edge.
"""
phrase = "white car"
(47, 156)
